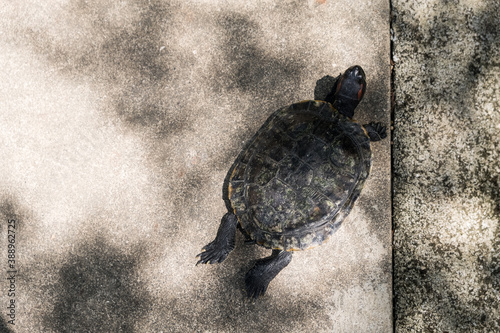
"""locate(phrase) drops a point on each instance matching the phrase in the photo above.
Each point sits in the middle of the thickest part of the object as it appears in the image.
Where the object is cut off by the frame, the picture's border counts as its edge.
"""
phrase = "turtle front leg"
(376, 131)
(257, 279)
(217, 250)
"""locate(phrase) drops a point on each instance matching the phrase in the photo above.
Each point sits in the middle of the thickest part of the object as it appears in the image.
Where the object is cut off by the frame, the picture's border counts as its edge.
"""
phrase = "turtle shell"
(299, 176)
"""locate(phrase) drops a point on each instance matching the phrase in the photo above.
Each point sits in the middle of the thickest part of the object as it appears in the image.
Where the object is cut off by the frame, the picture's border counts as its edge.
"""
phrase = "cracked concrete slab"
(118, 123)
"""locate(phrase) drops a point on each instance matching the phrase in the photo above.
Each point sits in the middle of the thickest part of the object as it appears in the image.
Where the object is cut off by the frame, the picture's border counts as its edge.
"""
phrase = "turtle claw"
(257, 279)
(213, 253)
(217, 250)
(376, 131)
(254, 292)
(255, 285)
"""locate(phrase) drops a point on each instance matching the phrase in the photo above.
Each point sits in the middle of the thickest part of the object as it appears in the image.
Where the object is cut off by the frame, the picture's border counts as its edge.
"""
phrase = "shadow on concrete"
(3, 326)
(130, 61)
(247, 72)
(246, 68)
(451, 85)
(11, 208)
(457, 88)
(97, 287)
(98, 290)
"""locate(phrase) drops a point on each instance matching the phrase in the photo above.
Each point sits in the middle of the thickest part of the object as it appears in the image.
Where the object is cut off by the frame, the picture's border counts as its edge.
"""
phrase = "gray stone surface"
(118, 122)
(446, 166)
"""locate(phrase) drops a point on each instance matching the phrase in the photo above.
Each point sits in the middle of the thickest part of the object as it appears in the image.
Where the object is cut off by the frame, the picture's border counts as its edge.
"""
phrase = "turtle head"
(349, 91)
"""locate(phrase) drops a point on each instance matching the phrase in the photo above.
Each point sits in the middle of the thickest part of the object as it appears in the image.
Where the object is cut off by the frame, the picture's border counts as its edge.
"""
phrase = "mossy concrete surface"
(118, 123)
(446, 166)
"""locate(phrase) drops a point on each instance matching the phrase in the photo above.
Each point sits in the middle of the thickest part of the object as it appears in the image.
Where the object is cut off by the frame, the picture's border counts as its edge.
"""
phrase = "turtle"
(296, 179)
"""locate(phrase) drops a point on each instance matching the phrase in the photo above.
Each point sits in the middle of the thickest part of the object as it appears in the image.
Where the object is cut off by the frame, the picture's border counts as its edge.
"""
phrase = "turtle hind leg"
(217, 250)
(376, 131)
(257, 279)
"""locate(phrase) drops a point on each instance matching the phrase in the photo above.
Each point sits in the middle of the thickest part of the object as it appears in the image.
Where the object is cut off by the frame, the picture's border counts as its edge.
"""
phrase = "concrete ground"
(446, 166)
(118, 122)
(120, 119)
